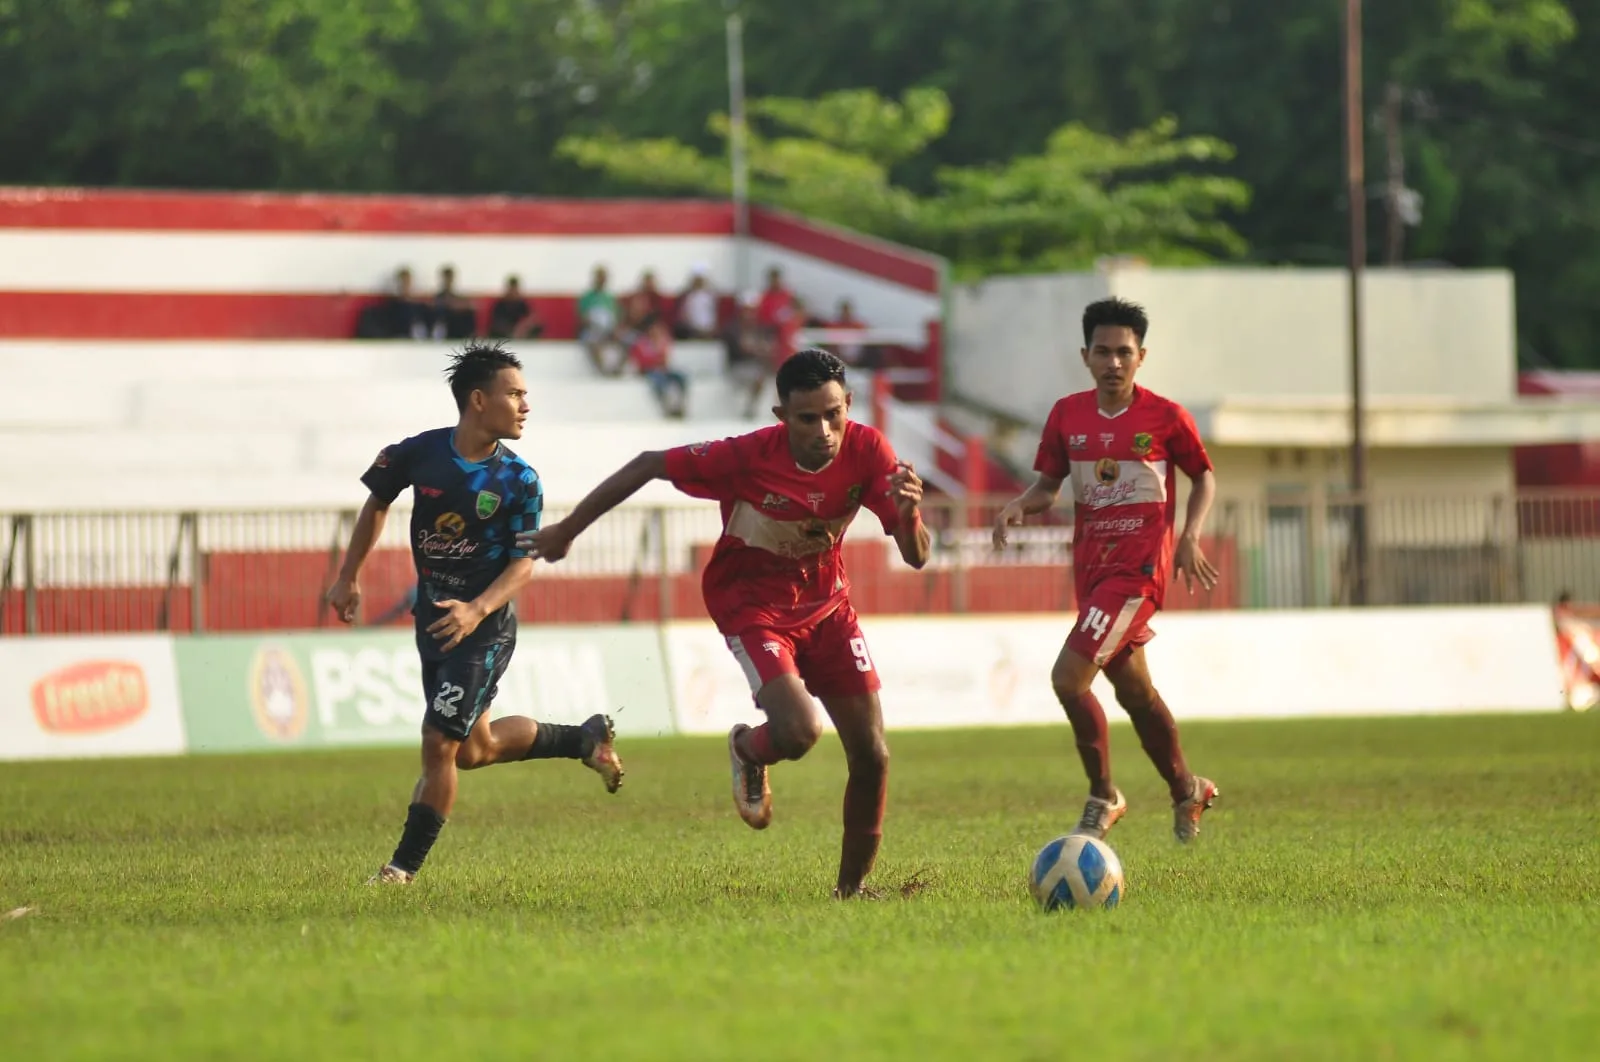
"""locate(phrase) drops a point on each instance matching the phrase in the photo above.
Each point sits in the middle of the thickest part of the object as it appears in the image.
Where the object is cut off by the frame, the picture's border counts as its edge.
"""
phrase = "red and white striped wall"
(79, 263)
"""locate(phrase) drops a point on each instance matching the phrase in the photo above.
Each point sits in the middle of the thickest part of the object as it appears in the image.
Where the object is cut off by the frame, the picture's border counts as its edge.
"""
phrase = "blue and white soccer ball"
(1078, 872)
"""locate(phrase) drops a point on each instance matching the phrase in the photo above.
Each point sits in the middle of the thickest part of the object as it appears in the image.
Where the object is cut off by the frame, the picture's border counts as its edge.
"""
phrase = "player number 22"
(1095, 621)
(448, 700)
(858, 646)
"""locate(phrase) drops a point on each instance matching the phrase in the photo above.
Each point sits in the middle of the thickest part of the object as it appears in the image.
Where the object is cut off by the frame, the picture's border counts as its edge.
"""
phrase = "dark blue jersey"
(464, 519)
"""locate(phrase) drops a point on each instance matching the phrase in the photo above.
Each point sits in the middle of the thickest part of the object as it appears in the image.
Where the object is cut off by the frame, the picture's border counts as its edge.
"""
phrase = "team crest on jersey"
(488, 504)
(699, 449)
(1141, 443)
(1106, 470)
(854, 494)
(382, 460)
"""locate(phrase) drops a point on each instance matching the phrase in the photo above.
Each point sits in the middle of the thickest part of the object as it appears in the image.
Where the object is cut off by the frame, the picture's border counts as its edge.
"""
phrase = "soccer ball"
(1076, 871)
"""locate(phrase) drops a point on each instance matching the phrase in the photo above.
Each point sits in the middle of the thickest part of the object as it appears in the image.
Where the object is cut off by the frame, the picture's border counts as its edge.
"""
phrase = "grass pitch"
(1365, 889)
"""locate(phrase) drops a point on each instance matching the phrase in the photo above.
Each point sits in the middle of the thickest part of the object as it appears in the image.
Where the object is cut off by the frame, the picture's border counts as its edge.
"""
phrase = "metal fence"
(234, 571)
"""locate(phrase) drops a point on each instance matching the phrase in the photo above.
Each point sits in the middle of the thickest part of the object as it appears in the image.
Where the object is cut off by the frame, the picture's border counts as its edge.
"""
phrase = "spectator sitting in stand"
(847, 321)
(651, 353)
(777, 302)
(646, 304)
(697, 308)
(599, 326)
(512, 316)
(453, 314)
(748, 344)
(399, 315)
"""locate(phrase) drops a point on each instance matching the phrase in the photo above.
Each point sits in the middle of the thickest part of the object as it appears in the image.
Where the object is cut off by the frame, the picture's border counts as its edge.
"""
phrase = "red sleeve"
(707, 469)
(878, 464)
(1185, 447)
(1052, 459)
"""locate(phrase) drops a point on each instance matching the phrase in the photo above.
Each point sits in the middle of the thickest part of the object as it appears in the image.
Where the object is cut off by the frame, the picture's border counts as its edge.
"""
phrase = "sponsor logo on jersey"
(1107, 438)
(772, 647)
(1107, 470)
(278, 694)
(815, 499)
(90, 697)
(444, 542)
(1141, 443)
(1115, 525)
(774, 501)
(488, 504)
(699, 449)
(1077, 442)
(429, 492)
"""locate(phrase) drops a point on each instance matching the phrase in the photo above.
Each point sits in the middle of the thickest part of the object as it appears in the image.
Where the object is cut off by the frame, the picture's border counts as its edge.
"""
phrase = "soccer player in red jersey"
(776, 584)
(1120, 445)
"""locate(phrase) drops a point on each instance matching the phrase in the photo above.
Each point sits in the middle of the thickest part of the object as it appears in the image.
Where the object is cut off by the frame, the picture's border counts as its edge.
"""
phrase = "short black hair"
(474, 366)
(808, 370)
(1117, 313)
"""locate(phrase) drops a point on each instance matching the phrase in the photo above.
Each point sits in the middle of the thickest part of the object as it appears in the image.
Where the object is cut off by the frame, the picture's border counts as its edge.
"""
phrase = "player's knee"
(796, 737)
(1136, 698)
(471, 757)
(872, 759)
(1069, 679)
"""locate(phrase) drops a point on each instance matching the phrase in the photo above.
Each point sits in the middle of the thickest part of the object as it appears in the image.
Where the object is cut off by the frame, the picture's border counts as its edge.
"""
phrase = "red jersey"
(778, 564)
(1121, 469)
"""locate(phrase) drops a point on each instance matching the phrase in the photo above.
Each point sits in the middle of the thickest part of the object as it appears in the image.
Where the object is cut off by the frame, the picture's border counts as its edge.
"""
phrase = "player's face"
(504, 404)
(816, 422)
(1112, 357)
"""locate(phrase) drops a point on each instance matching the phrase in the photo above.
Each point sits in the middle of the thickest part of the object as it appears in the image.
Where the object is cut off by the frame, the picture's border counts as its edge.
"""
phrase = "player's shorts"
(1110, 622)
(460, 688)
(831, 657)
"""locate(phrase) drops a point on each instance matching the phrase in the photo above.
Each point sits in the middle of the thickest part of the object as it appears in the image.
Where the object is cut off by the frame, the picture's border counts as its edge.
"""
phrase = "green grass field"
(1365, 889)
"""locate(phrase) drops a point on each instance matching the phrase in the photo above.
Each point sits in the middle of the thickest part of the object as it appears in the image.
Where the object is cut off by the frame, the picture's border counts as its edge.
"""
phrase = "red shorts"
(1110, 622)
(830, 657)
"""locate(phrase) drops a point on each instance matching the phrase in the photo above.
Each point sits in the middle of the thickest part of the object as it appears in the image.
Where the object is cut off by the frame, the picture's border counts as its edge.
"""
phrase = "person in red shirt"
(777, 304)
(776, 584)
(1120, 446)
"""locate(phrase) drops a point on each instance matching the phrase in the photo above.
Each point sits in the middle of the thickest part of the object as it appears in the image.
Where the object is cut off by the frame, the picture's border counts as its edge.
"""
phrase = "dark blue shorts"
(460, 687)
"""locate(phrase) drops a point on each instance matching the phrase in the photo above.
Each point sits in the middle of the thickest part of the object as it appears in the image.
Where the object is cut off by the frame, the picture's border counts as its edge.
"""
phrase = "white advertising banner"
(995, 671)
(88, 696)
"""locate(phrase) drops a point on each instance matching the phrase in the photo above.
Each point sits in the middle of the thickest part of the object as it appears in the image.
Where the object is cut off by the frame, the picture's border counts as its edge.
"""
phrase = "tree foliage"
(476, 95)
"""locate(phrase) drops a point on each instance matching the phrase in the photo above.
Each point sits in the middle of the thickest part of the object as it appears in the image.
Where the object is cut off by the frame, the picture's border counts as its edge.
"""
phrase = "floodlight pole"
(736, 148)
(1356, 197)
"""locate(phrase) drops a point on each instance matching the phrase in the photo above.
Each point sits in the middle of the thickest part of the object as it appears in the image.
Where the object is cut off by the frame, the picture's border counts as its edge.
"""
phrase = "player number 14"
(1096, 622)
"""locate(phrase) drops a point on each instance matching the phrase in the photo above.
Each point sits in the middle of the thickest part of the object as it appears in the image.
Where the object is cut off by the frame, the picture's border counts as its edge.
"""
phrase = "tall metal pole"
(736, 149)
(1356, 196)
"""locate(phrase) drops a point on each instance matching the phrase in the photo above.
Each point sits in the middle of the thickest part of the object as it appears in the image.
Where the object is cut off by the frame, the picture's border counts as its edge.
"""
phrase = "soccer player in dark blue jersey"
(471, 496)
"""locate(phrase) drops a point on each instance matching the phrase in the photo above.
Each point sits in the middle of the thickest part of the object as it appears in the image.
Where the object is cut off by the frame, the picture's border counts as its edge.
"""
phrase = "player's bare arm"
(344, 597)
(1189, 559)
(911, 535)
(461, 618)
(1036, 499)
(553, 541)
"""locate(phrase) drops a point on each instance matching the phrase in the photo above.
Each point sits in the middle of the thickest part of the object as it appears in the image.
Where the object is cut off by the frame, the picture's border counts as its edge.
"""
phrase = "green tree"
(1086, 195)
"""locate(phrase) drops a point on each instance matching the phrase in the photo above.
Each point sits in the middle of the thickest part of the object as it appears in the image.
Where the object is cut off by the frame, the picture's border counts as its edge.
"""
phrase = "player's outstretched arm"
(345, 595)
(1036, 499)
(553, 541)
(1189, 559)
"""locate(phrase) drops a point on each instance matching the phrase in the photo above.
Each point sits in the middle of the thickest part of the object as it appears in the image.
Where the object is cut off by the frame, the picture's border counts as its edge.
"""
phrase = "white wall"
(1221, 333)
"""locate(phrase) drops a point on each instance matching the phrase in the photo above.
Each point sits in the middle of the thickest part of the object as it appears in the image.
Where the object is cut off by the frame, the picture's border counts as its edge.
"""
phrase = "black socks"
(422, 829)
(557, 741)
